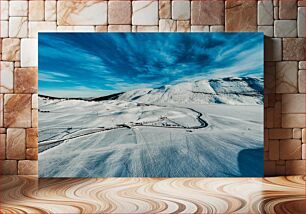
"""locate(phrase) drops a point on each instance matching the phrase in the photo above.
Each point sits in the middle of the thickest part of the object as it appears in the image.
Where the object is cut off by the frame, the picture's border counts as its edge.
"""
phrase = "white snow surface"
(166, 132)
(232, 91)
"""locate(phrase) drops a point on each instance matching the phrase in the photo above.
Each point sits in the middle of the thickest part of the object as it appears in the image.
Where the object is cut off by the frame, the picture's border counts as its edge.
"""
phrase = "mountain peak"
(229, 90)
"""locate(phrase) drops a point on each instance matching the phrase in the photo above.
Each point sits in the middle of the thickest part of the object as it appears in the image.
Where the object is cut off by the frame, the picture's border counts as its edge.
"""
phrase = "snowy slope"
(70, 145)
(232, 91)
(197, 128)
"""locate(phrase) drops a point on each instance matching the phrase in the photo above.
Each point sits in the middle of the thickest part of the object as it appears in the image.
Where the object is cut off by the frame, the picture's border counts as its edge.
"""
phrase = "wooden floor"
(138, 195)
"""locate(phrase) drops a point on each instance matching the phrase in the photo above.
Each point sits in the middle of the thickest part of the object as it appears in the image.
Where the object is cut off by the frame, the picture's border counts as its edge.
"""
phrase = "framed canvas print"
(151, 104)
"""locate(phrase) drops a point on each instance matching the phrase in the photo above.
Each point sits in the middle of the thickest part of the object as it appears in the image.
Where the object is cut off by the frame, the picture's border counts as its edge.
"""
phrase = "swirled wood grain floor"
(139, 195)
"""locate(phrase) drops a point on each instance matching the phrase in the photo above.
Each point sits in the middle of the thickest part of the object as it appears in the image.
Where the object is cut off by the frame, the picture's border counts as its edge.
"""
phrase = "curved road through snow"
(47, 144)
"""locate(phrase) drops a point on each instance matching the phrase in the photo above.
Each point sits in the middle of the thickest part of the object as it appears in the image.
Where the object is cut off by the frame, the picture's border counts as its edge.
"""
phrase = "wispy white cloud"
(45, 77)
(109, 63)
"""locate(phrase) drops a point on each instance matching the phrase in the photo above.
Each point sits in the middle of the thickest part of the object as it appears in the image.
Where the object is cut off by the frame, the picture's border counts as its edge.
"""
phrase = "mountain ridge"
(229, 90)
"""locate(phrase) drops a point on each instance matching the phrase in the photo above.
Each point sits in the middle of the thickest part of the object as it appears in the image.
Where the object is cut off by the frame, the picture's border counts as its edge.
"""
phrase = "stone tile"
(207, 12)
(32, 154)
(31, 138)
(303, 151)
(216, 28)
(287, 9)
(134, 28)
(4, 29)
(301, 3)
(119, 12)
(280, 170)
(199, 28)
(266, 145)
(266, 156)
(38, 26)
(285, 28)
(91, 12)
(278, 114)
(295, 167)
(183, 26)
(4, 9)
(2, 130)
(15, 144)
(271, 100)
(286, 77)
(302, 65)
(275, 13)
(18, 8)
(75, 28)
(36, 10)
(119, 28)
(290, 149)
(269, 118)
(281, 162)
(11, 49)
(301, 21)
(265, 12)
(145, 13)
(239, 15)
(6, 78)
(293, 120)
(101, 28)
(164, 9)
(147, 28)
(275, 3)
(269, 168)
(35, 100)
(275, 134)
(304, 135)
(297, 133)
(293, 49)
(273, 49)
(293, 103)
(27, 167)
(50, 10)
(301, 81)
(2, 146)
(29, 52)
(18, 27)
(8, 167)
(267, 30)
(167, 25)
(1, 111)
(25, 80)
(266, 135)
(269, 75)
(274, 150)
(180, 10)
(17, 64)
(17, 110)
(34, 118)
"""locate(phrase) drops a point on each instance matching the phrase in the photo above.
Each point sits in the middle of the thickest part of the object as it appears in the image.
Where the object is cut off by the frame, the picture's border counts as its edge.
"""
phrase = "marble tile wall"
(282, 21)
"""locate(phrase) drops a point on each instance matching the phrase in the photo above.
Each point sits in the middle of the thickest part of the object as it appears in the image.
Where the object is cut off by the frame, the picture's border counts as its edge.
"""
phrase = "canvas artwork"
(151, 104)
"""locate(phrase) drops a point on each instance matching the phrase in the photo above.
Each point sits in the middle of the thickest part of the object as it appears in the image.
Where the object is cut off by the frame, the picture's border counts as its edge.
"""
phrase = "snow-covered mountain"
(160, 132)
(232, 91)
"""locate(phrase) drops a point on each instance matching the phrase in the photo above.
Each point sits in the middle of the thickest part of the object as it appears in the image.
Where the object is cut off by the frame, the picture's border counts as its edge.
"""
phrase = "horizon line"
(118, 93)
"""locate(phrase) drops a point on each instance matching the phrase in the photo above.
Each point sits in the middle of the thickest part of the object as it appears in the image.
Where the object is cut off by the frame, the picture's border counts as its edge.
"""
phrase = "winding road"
(47, 144)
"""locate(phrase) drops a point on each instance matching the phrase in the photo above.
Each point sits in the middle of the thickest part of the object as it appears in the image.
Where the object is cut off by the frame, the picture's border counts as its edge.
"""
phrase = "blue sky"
(99, 64)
